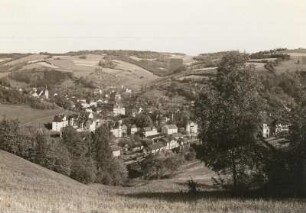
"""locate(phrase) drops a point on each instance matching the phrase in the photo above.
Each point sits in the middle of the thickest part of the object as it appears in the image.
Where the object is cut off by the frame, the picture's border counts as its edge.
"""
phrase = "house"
(88, 123)
(59, 122)
(118, 110)
(133, 129)
(72, 120)
(172, 144)
(124, 130)
(115, 151)
(117, 132)
(265, 131)
(128, 91)
(85, 105)
(93, 104)
(92, 124)
(156, 148)
(192, 128)
(136, 147)
(117, 97)
(281, 128)
(46, 93)
(150, 131)
(169, 129)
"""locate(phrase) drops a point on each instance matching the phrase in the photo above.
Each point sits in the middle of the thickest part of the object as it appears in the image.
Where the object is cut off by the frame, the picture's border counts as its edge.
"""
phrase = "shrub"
(190, 155)
(192, 186)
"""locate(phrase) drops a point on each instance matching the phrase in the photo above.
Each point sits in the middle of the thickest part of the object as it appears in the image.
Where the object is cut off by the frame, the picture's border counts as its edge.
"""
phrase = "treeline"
(275, 53)
(40, 78)
(85, 157)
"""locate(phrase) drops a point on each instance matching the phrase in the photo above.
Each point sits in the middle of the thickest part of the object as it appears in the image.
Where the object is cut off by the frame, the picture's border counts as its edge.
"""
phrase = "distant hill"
(102, 68)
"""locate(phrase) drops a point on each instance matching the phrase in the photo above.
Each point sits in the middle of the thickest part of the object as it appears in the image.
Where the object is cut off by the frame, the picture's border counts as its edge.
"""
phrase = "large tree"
(110, 170)
(229, 117)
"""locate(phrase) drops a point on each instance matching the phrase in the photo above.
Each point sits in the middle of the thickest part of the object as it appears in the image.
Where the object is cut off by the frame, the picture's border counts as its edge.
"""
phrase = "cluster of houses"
(108, 107)
(277, 129)
(86, 122)
(39, 93)
(169, 138)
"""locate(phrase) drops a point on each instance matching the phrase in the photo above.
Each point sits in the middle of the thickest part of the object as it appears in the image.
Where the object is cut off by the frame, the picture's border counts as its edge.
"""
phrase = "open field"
(27, 187)
(290, 66)
(27, 115)
(86, 66)
(26, 59)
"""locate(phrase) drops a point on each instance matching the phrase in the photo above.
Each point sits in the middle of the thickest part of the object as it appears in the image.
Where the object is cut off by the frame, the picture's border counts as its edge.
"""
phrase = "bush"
(190, 155)
(39, 104)
(192, 186)
(107, 64)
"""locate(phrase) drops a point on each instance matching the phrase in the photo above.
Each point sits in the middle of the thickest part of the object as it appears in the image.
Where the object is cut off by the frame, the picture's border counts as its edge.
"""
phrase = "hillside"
(101, 68)
(27, 187)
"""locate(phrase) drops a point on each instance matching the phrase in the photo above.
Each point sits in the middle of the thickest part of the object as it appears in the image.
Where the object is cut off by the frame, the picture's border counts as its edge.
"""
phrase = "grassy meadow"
(27, 115)
(27, 187)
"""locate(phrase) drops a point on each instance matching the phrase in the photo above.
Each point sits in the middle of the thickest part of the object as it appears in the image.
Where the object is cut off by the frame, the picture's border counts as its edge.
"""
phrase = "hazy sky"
(189, 26)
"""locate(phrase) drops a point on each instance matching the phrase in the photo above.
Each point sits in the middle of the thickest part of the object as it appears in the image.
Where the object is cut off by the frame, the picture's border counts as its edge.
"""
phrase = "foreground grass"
(26, 187)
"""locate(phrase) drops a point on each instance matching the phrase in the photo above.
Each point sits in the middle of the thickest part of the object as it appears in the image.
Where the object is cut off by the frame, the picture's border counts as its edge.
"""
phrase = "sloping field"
(27, 115)
(26, 187)
(26, 59)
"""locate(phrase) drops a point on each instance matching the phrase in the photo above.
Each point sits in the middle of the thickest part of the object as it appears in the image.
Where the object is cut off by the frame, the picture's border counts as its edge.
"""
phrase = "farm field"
(27, 115)
(27, 187)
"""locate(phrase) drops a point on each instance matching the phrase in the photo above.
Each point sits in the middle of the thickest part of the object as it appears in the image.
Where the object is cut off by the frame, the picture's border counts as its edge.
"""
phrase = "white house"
(133, 129)
(46, 93)
(118, 110)
(59, 122)
(192, 128)
(150, 131)
(116, 151)
(93, 104)
(85, 105)
(117, 132)
(281, 128)
(169, 129)
(265, 131)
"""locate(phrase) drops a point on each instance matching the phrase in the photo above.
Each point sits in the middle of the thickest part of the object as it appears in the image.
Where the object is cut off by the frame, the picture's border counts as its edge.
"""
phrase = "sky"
(187, 26)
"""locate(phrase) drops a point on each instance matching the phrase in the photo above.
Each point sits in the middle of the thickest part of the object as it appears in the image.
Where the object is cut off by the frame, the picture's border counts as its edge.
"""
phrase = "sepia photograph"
(152, 106)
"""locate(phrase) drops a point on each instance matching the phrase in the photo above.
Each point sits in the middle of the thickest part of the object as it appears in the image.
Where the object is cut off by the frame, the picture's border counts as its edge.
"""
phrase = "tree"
(109, 170)
(84, 170)
(75, 144)
(228, 114)
(143, 120)
(295, 160)
(52, 154)
(9, 135)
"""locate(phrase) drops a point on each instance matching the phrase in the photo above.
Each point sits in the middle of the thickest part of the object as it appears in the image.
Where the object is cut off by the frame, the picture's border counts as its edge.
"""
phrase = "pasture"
(27, 187)
(28, 116)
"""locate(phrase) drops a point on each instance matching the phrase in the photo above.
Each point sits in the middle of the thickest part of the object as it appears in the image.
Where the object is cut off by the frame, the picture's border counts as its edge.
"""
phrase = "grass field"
(27, 115)
(26, 187)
